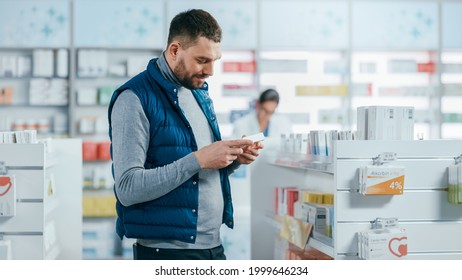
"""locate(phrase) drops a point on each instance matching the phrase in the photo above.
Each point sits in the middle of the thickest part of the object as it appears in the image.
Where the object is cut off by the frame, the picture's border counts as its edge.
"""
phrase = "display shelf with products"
(34, 89)
(425, 162)
(47, 198)
(99, 72)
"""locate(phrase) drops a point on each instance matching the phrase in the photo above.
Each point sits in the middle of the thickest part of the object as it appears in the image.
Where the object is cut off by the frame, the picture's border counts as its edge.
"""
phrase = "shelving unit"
(422, 208)
(37, 102)
(48, 222)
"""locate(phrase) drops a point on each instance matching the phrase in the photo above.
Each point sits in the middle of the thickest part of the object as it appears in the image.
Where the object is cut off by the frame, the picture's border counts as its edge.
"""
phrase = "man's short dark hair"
(188, 26)
(269, 95)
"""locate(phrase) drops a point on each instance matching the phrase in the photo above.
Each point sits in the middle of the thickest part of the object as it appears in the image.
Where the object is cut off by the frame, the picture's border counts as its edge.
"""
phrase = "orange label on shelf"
(392, 186)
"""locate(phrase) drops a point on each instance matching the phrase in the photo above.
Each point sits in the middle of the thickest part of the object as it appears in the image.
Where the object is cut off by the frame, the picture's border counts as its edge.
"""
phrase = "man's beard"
(180, 73)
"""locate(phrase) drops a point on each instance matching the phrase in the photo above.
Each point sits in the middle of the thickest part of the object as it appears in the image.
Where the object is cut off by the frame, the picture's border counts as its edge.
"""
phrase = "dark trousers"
(147, 253)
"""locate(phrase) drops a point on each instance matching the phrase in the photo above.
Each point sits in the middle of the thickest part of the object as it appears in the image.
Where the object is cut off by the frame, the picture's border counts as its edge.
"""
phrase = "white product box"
(405, 123)
(298, 143)
(316, 215)
(385, 244)
(102, 63)
(24, 65)
(290, 143)
(381, 123)
(60, 124)
(62, 63)
(92, 63)
(256, 137)
(330, 136)
(87, 125)
(314, 142)
(9, 68)
(7, 196)
(305, 145)
(322, 144)
(361, 122)
(43, 62)
(87, 96)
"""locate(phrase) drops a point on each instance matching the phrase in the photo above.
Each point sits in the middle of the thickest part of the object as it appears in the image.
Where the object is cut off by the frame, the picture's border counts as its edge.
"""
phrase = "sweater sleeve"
(130, 141)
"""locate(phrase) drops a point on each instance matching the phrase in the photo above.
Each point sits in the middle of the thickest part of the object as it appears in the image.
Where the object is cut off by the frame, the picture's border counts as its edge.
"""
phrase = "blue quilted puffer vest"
(169, 217)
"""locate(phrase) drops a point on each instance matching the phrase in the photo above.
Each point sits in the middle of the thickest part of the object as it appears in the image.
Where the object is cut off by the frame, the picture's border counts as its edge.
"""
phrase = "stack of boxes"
(385, 123)
(313, 207)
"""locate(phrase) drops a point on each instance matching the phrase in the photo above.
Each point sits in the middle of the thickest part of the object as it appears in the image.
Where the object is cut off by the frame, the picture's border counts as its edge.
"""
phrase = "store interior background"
(326, 58)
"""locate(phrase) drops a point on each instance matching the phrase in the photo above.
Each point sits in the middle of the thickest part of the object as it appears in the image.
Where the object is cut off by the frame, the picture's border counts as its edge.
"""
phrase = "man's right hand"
(221, 153)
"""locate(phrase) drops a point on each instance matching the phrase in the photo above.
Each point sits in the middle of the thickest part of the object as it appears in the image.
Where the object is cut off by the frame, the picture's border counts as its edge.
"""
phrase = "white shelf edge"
(320, 246)
(302, 161)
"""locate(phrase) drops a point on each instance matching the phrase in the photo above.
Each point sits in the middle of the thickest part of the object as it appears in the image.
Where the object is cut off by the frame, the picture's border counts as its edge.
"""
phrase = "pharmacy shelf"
(46, 226)
(320, 242)
(426, 164)
(320, 246)
(302, 161)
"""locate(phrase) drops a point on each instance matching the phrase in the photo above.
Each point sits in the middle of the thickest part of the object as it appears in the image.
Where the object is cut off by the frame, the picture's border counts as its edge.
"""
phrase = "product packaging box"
(305, 145)
(7, 196)
(104, 150)
(316, 216)
(87, 96)
(89, 150)
(383, 244)
(382, 180)
(381, 123)
(405, 123)
(361, 122)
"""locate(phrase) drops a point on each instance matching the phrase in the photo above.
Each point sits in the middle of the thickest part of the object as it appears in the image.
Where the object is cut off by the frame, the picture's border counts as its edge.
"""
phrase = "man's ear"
(173, 49)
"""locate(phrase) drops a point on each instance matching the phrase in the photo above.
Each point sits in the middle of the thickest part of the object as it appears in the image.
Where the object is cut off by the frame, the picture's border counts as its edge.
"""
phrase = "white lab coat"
(248, 125)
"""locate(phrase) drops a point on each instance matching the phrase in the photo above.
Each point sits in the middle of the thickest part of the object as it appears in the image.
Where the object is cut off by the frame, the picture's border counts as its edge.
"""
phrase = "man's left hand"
(250, 153)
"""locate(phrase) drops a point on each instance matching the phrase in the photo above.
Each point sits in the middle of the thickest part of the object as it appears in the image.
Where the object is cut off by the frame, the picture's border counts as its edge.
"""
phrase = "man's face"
(195, 64)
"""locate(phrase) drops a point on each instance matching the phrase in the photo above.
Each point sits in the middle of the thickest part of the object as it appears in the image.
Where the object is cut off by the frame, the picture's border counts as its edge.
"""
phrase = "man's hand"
(250, 153)
(221, 153)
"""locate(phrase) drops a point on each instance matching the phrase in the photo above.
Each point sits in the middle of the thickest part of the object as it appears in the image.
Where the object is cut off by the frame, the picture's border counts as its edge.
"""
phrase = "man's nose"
(208, 69)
